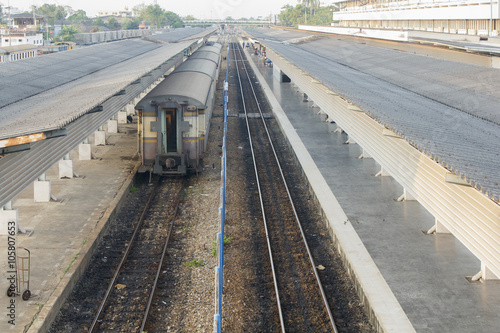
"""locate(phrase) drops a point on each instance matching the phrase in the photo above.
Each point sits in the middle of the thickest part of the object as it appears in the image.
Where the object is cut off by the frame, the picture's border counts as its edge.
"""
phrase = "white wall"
(20, 40)
(446, 10)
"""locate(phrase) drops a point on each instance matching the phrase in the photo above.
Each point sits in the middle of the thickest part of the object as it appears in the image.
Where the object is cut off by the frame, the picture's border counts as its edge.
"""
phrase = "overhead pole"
(491, 19)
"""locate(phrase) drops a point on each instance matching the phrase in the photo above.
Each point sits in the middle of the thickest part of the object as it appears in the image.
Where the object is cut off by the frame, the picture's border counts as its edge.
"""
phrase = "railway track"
(126, 304)
(301, 301)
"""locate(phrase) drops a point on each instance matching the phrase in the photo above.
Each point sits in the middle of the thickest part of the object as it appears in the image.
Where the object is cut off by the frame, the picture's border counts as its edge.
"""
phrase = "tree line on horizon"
(307, 12)
(156, 16)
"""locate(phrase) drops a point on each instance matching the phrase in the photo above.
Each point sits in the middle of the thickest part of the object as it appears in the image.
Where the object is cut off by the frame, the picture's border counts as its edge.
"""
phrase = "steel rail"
(124, 258)
(282, 321)
(323, 295)
(160, 265)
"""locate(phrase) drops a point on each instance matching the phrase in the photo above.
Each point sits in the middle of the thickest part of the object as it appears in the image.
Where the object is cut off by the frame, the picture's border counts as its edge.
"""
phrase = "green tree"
(98, 22)
(112, 23)
(54, 12)
(187, 18)
(128, 24)
(173, 20)
(140, 11)
(289, 15)
(155, 15)
(78, 16)
(67, 34)
(322, 16)
(312, 4)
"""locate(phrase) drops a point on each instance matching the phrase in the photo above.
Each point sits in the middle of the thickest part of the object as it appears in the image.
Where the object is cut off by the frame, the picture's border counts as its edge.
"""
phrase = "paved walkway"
(426, 273)
(62, 233)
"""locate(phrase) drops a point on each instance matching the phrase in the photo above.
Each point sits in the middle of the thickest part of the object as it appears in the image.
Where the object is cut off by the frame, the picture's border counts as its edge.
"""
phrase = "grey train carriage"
(174, 117)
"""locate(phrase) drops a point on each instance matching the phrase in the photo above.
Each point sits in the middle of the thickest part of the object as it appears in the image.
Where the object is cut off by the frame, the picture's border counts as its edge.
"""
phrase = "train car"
(174, 117)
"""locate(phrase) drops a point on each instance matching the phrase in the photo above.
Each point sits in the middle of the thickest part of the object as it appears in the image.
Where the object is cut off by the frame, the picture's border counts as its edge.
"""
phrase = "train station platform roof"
(446, 109)
(381, 238)
(67, 96)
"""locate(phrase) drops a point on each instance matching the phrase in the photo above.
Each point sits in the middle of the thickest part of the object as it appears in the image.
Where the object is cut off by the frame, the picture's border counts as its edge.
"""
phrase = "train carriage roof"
(201, 54)
(215, 48)
(190, 82)
(182, 87)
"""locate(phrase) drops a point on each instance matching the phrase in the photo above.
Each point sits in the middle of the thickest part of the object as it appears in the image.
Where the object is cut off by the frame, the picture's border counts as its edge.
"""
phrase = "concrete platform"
(63, 233)
(425, 273)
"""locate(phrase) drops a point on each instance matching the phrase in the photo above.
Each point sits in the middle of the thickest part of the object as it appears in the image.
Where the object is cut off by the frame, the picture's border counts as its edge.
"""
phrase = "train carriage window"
(171, 122)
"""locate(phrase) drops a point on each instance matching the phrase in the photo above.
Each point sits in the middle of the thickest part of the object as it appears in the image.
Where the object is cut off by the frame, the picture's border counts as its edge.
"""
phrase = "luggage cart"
(22, 276)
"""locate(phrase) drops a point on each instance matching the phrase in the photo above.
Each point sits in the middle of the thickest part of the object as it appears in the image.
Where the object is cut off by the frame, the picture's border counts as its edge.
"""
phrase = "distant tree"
(287, 16)
(78, 16)
(312, 4)
(69, 11)
(229, 18)
(140, 11)
(67, 34)
(189, 18)
(98, 22)
(112, 23)
(54, 12)
(173, 20)
(128, 24)
(156, 15)
(293, 16)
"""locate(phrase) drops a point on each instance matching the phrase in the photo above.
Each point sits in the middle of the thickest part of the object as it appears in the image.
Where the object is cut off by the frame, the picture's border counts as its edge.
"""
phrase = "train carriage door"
(170, 137)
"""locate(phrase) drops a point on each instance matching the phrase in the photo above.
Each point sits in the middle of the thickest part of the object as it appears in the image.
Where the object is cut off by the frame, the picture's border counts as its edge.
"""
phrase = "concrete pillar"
(406, 196)
(339, 129)
(487, 274)
(350, 140)
(365, 154)
(66, 167)
(122, 117)
(130, 109)
(382, 173)
(277, 73)
(41, 189)
(85, 151)
(100, 137)
(9, 220)
(322, 115)
(112, 126)
(440, 228)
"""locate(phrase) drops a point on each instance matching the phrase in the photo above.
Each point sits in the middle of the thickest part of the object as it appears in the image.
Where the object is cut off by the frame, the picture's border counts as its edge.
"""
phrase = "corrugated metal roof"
(18, 170)
(25, 78)
(180, 34)
(434, 104)
(57, 107)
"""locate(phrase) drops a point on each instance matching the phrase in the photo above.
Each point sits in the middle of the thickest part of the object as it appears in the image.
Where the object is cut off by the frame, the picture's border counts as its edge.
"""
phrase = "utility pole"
(491, 19)
(305, 12)
(10, 41)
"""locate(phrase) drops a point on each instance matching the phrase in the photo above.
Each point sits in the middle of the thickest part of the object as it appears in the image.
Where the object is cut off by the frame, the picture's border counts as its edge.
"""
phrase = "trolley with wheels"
(22, 276)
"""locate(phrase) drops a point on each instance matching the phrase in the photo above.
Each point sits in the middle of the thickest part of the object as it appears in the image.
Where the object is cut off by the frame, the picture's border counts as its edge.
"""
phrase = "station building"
(468, 17)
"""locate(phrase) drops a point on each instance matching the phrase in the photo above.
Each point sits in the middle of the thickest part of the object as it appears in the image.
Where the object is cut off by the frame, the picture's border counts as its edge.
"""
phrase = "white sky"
(197, 8)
